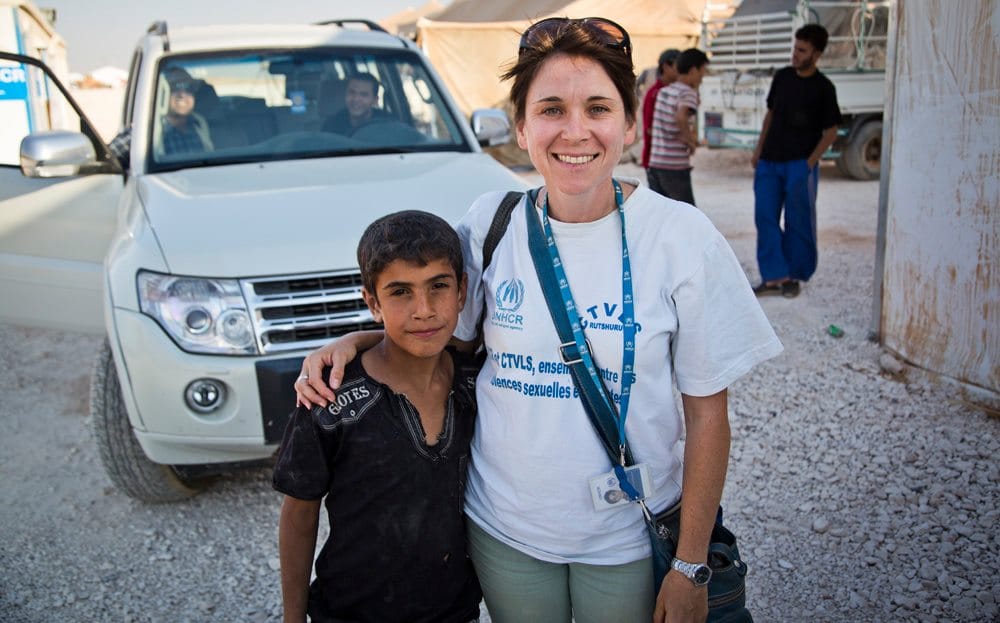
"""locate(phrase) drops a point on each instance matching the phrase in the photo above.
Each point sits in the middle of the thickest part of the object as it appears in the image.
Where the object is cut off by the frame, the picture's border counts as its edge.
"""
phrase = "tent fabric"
(471, 42)
(404, 23)
(498, 10)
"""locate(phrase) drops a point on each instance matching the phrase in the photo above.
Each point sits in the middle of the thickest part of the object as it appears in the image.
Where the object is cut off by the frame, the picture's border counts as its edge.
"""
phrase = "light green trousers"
(522, 589)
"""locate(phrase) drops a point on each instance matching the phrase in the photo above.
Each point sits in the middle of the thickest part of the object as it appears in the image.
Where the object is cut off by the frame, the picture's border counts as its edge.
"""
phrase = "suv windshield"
(255, 106)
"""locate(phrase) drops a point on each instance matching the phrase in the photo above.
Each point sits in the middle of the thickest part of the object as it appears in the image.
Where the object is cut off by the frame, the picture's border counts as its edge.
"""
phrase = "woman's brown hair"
(573, 38)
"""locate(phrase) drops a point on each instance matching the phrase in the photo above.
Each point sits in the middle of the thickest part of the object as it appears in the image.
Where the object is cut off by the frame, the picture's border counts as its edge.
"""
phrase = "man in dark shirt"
(800, 124)
(359, 109)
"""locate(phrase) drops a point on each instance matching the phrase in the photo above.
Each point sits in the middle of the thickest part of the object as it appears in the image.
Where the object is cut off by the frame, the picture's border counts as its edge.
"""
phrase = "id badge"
(606, 493)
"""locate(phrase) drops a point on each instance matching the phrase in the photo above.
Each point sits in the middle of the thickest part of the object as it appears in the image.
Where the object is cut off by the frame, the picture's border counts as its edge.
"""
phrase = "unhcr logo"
(510, 295)
(509, 298)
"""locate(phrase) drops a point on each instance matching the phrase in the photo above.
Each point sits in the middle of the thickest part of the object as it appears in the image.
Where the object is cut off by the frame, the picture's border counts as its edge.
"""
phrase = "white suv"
(229, 252)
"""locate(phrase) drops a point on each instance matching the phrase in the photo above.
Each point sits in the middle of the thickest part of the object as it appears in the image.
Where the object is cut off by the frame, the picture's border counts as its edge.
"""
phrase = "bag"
(727, 588)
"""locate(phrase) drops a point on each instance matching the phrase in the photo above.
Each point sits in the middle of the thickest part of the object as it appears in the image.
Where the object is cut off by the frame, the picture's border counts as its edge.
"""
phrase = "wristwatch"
(698, 573)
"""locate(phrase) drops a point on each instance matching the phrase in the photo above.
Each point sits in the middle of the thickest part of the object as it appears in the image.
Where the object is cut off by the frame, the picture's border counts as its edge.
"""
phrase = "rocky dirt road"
(857, 496)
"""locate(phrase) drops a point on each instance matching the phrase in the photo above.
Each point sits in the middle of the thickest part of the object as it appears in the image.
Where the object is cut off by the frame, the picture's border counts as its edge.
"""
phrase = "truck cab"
(222, 246)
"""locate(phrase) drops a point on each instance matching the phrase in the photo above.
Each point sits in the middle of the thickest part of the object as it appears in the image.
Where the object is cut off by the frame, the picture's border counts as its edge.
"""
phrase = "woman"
(543, 546)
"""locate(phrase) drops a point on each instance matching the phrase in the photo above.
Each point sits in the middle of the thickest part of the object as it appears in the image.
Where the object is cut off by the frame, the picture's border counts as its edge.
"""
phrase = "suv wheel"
(124, 461)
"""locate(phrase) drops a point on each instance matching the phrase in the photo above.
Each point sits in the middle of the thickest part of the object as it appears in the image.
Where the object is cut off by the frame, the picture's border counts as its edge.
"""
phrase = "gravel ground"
(857, 495)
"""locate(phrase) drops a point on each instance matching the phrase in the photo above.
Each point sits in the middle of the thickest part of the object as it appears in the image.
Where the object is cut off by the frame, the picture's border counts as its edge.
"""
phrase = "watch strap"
(698, 573)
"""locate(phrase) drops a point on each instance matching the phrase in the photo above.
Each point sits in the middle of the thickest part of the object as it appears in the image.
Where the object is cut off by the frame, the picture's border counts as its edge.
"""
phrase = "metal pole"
(885, 177)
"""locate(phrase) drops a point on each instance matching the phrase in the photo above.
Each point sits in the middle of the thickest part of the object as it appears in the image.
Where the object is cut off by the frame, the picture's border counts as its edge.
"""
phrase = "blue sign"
(13, 82)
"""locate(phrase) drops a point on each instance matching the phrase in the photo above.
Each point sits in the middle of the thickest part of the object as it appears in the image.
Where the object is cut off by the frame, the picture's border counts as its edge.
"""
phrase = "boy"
(390, 454)
(674, 136)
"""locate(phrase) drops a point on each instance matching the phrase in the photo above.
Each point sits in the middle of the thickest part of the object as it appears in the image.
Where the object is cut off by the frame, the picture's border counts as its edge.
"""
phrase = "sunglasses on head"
(609, 33)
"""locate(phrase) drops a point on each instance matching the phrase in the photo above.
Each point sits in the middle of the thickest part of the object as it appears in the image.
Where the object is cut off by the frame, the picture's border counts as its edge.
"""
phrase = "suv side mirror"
(57, 153)
(491, 127)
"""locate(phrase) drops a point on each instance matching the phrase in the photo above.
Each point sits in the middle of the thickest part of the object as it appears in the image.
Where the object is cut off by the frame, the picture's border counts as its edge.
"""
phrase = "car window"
(245, 107)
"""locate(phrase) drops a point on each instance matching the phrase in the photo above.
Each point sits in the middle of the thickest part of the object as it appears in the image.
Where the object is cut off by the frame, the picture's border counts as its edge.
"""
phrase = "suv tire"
(122, 456)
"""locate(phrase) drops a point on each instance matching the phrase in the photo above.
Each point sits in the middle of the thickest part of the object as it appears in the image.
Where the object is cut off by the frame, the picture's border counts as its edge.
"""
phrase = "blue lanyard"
(627, 317)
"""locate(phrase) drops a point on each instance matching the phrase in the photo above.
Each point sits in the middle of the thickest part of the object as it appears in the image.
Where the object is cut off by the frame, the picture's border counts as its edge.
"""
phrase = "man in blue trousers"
(800, 124)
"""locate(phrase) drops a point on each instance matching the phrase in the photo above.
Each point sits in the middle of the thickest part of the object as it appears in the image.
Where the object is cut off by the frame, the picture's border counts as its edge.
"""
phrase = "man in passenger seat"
(359, 106)
(184, 131)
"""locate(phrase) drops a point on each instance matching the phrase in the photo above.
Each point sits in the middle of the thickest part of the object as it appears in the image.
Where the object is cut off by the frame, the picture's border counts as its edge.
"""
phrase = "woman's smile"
(568, 159)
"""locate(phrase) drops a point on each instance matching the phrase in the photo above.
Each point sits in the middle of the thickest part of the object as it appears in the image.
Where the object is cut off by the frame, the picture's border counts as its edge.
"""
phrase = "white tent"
(404, 23)
(470, 42)
(110, 76)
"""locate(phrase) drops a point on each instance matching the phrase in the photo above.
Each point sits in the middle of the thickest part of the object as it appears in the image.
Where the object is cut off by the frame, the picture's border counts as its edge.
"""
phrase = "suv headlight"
(201, 315)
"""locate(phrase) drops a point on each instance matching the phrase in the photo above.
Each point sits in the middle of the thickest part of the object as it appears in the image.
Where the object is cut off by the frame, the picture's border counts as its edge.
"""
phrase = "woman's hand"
(706, 457)
(680, 601)
(309, 387)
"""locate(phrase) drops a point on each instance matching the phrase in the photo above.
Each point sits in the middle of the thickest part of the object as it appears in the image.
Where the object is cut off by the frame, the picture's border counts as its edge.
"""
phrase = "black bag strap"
(498, 227)
(501, 218)
(600, 417)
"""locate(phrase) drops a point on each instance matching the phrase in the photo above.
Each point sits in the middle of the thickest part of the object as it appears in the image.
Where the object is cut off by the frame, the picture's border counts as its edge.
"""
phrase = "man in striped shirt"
(674, 135)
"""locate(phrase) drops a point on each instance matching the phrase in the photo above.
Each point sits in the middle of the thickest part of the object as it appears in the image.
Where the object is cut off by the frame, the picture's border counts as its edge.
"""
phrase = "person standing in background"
(674, 132)
(800, 124)
(665, 74)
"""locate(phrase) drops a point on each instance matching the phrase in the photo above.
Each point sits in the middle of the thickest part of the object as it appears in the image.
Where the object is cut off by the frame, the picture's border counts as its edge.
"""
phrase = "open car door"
(58, 204)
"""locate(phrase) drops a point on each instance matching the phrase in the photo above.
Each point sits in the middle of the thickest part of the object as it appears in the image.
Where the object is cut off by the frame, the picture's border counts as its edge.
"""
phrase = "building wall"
(26, 102)
(939, 293)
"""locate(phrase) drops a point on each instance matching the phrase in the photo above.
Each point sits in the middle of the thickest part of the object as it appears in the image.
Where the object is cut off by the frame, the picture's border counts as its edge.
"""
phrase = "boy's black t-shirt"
(801, 108)
(397, 549)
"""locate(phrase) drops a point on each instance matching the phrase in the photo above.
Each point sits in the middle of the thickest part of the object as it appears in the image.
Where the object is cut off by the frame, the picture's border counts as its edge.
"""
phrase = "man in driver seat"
(184, 131)
(359, 110)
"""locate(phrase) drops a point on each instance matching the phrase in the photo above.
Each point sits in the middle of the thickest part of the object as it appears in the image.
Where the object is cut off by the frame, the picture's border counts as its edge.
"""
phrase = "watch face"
(702, 575)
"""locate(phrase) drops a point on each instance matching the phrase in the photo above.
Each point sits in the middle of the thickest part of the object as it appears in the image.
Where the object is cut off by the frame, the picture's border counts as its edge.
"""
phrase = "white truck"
(747, 48)
(213, 265)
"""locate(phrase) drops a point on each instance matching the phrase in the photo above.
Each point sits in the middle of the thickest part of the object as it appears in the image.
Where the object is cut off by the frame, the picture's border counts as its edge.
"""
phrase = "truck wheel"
(862, 157)
(842, 165)
(124, 461)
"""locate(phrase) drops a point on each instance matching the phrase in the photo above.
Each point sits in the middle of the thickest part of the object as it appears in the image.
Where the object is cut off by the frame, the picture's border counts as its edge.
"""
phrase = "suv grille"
(293, 313)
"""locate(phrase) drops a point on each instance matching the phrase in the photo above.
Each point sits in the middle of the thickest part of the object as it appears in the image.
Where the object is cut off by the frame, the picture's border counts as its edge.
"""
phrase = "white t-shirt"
(534, 450)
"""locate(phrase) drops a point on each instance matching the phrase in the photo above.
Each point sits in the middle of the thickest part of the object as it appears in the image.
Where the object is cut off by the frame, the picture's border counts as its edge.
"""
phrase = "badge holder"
(606, 491)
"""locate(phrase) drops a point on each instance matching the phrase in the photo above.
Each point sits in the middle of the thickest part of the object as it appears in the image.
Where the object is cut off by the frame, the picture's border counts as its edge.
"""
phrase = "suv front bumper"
(155, 373)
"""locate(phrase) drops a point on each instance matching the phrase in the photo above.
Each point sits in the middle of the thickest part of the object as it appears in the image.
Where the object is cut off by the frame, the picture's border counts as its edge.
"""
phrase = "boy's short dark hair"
(691, 58)
(668, 57)
(814, 34)
(412, 236)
